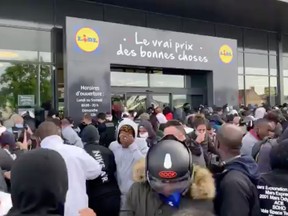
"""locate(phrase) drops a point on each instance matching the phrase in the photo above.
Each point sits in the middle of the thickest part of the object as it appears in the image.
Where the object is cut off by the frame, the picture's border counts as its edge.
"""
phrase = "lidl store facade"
(82, 54)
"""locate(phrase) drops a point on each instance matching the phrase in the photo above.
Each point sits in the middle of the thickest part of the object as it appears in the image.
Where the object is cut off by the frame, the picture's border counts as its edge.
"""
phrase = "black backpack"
(257, 147)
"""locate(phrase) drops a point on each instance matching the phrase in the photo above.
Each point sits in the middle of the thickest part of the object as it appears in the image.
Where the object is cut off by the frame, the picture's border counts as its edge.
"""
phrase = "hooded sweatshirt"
(152, 138)
(126, 157)
(81, 167)
(236, 188)
(106, 184)
(39, 183)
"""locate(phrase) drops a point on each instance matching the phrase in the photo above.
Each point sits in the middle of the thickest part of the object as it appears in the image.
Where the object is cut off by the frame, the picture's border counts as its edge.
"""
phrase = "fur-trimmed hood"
(202, 188)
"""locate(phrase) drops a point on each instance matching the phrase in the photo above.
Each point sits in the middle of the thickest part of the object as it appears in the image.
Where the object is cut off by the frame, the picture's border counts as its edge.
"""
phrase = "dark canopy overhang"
(261, 14)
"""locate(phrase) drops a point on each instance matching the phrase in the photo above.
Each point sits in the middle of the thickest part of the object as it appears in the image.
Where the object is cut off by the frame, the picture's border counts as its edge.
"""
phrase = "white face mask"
(144, 135)
(109, 118)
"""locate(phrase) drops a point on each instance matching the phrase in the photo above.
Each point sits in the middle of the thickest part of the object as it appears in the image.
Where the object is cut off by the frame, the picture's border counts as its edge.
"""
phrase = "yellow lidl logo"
(87, 39)
(226, 54)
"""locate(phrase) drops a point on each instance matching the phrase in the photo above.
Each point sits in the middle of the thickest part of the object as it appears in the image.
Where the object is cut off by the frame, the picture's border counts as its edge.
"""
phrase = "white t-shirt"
(161, 118)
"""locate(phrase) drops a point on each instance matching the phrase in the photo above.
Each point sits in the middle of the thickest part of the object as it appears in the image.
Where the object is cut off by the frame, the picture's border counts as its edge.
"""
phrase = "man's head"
(45, 129)
(101, 118)
(229, 139)
(87, 119)
(7, 140)
(158, 110)
(264, 128)
(65, 123)
(126, 135)
(175, 128)
(169, 167)
(236, 120)
(200, 124)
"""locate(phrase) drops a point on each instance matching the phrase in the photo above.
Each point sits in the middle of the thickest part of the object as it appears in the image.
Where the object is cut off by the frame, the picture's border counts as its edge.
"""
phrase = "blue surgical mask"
(173, 200)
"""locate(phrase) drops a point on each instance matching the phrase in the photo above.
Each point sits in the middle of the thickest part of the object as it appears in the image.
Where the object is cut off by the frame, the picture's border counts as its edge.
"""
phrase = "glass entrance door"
(136, 101)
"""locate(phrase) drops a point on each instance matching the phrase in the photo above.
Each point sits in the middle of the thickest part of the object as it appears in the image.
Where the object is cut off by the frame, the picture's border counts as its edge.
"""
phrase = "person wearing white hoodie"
(80, 166)
(127, 149)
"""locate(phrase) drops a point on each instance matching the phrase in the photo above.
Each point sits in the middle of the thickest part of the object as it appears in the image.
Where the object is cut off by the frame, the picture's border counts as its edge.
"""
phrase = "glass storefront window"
(167, 81)
(256, 64)
(273, 65)
(21, 79)
(18, 55)
(285, 66)
(129, 79)
(285, 45)
(285, 90)
(273, 43)
(241, 92)
(136, 102)
(161, 100)
(273, 91)
(256, 41)
(256, 89)
(26, 40)
(179, 100)
(240, 63)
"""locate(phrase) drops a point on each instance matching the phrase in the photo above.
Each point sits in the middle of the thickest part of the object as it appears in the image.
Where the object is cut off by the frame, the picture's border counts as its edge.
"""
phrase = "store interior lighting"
(8, 54)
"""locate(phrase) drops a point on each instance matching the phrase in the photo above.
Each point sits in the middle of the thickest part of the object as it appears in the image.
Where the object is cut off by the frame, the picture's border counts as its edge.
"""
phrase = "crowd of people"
(210, 161)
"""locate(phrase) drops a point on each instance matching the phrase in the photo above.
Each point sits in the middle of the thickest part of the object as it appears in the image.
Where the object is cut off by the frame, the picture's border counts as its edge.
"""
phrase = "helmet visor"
(168, 187)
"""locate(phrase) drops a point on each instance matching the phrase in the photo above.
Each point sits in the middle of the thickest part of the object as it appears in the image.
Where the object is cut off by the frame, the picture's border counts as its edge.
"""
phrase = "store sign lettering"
(162, 49)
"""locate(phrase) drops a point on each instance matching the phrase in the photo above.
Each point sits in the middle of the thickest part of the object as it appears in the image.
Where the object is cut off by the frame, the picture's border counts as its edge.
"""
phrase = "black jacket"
(106, 184)
(107, 133)
(39, 183)
(271, 186)
(236, 189)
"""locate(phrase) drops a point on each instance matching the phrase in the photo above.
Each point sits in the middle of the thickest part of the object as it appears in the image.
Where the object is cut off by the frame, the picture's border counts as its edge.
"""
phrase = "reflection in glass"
(256, 41)
(285, 66)
(241, 91)
(136, 102)
(240, 63)
(18, 55)
(179, 100)
(167, 81)
(285, 80)
(256, 89)
(129, 79)
(161, 100)
(273, 91)
(273, 65)
(273, 43)
(21, 79)
(45, 56)
(256, 64)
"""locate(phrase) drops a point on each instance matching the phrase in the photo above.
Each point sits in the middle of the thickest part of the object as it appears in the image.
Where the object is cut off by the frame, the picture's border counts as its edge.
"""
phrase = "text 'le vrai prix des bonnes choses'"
(174, 50)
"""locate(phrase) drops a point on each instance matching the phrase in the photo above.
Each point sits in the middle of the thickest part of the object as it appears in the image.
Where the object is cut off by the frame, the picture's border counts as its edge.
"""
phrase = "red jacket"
(169, 116)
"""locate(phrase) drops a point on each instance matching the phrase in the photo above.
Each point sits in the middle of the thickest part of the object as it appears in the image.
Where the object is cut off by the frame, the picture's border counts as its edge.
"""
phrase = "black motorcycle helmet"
(169, 167)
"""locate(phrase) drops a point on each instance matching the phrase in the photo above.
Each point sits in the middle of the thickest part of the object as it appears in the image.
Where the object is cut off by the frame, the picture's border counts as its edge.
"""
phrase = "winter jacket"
(143, 201)
(261, 153)
(106, 184)
(125, 158)
(107, 133)
(248, 141)
(236, 188)
(152, 139)
(273, 192)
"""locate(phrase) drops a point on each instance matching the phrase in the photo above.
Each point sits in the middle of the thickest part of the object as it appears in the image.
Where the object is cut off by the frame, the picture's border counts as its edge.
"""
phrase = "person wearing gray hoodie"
(69, 135)
(127, 149)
